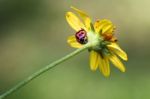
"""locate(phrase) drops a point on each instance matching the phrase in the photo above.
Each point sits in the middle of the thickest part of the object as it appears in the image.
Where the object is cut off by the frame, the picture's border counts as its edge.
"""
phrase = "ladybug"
(81, 36)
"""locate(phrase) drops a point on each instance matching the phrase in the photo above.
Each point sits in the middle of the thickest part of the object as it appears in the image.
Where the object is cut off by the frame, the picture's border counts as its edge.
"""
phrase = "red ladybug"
(81, 36)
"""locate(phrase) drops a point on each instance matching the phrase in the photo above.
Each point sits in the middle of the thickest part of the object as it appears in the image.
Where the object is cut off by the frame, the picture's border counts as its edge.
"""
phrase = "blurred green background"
(33, 33)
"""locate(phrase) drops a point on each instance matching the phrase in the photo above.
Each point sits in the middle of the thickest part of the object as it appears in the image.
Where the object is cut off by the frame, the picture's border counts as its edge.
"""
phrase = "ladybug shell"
(81, 36)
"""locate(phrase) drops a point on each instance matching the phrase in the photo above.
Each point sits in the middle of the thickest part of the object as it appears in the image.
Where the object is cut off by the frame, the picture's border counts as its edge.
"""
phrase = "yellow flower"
(100, 36)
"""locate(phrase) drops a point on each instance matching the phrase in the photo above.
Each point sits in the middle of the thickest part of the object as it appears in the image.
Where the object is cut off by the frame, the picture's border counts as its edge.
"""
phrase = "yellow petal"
(107, 28)
(73, 42)
(104, 66)
(116, 49)
(94, 58)
(84, 16)
(96, 26)
(104, 26)
(74, 21)
(117, 63)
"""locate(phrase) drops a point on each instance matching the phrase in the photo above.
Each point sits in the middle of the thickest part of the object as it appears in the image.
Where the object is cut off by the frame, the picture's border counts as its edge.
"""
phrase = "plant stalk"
(41, 71)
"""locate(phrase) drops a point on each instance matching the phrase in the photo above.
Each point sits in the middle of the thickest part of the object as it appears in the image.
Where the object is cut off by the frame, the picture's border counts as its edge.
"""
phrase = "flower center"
(81, 36)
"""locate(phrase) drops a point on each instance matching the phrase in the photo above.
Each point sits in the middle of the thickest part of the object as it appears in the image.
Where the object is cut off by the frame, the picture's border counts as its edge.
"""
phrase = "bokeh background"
(33, 33)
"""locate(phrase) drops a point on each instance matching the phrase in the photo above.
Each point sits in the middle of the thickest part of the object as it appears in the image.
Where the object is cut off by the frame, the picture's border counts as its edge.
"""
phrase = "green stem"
(41, 71)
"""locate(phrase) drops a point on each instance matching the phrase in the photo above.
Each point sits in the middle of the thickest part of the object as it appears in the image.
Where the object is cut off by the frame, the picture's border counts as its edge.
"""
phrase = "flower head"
(100, 36)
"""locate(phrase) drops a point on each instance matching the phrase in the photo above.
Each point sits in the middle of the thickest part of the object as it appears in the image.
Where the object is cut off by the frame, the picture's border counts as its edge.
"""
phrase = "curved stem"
(41, 71)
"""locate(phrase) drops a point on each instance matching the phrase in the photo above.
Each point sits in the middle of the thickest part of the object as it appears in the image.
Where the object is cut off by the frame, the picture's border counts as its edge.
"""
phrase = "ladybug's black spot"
(81, 36)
